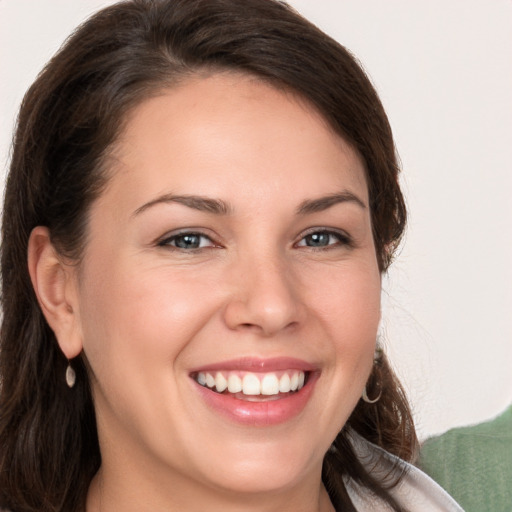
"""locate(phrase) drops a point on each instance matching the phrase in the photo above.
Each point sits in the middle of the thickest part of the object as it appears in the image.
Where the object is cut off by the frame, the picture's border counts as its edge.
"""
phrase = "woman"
(207, 194)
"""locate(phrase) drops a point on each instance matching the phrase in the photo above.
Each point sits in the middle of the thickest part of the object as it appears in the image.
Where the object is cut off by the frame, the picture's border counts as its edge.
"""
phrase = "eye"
(187, 241)
(321, 239)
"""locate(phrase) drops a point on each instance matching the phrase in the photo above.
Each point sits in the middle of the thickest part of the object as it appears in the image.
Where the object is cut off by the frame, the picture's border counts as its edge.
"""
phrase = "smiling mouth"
(253, 386)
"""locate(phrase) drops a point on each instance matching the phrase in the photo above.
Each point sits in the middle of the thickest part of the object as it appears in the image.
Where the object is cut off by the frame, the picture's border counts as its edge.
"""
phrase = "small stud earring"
(70, 376)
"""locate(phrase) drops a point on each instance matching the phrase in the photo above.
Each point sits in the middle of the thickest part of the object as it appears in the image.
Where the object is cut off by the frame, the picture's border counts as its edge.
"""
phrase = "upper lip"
(258, 364)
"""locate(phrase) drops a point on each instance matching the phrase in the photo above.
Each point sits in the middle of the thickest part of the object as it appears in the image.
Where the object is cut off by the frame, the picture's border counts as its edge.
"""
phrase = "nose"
(264, 297)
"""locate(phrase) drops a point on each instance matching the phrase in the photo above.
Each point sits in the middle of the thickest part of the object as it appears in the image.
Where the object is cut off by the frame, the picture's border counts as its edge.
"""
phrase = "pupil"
(187, 242)
(317, 239)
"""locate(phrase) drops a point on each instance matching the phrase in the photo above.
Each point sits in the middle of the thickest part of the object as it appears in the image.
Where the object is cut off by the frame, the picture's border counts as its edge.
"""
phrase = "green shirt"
(474, 464)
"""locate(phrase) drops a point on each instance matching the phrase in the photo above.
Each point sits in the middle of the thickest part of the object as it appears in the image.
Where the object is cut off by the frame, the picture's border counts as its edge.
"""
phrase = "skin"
(145, 312)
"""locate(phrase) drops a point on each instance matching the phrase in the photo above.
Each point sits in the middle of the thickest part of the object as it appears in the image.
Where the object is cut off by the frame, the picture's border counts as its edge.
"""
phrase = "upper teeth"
(253, 383)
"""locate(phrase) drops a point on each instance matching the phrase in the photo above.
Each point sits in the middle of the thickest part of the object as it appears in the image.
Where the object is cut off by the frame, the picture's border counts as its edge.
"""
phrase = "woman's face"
(232, 247)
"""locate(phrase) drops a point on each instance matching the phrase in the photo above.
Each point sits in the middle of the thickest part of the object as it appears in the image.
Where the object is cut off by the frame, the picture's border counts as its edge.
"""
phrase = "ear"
(55, 286)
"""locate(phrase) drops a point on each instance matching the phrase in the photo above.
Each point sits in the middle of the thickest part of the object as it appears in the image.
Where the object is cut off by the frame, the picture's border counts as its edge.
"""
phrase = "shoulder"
(415, 490)
(492, 439)
(473, 463)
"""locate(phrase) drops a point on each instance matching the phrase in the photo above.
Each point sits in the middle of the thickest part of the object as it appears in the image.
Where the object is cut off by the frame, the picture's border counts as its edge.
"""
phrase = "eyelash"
(342, 239)
(168, 241)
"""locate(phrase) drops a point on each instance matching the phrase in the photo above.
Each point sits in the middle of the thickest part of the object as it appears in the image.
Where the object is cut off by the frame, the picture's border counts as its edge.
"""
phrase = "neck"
(109, 494)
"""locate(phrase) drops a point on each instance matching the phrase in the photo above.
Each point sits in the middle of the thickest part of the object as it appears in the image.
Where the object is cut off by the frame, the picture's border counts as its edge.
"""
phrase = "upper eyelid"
(199, 232)
(332, 231)
(173, 235)
(344, 240)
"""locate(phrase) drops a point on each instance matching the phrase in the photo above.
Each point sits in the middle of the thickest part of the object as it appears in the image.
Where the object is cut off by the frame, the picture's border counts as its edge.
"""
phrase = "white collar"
(416, 491)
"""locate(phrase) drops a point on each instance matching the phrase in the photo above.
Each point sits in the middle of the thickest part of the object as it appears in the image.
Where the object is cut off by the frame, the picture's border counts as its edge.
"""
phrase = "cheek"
(358, 322)
(349, 312)
(135, 316)
(139, 323)
(348, 305)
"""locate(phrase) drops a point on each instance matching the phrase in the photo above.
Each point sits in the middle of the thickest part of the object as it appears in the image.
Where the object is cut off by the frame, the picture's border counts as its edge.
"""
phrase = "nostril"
(262, 312)
(265, 328)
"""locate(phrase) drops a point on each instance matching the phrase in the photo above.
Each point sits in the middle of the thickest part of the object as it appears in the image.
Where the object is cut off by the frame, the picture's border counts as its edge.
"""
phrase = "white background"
(444, 73)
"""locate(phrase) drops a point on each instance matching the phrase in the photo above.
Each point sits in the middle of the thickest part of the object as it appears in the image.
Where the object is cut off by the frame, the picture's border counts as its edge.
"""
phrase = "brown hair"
(68, 122)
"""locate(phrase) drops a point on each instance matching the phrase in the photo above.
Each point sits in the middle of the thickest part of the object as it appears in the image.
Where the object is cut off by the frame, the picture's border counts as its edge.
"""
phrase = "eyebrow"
(203, 204)
(323, 203)
(219, 207)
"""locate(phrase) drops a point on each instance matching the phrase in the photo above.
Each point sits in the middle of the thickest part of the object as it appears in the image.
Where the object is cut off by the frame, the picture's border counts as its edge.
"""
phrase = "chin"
(268, 467)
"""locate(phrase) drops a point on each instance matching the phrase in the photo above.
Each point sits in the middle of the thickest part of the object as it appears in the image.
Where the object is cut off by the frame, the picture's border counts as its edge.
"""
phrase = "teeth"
(234, 384)
(220, 382)
(253, 384)
(270, 385)
(294, 382)
(284, 384)
(210, 381)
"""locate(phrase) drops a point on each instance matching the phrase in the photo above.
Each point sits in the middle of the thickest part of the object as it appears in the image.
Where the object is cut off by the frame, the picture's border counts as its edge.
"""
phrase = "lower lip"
(260, 414)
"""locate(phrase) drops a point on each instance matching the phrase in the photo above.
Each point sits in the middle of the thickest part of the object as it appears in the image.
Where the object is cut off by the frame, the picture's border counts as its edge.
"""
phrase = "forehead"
(233, 134)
